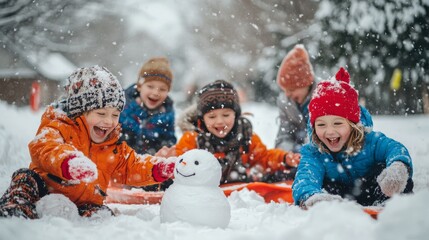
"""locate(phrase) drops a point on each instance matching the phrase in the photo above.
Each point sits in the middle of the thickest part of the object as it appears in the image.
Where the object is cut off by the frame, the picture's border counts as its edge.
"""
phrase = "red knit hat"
(296, 70)
(335, 97)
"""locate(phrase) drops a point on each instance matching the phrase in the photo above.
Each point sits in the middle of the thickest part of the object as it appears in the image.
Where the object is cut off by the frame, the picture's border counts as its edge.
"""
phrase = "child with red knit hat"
(76, 152)
(345, 159)
(296, 79)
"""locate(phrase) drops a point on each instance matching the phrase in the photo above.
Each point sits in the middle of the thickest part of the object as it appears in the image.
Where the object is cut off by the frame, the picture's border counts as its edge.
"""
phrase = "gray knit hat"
(91, 88)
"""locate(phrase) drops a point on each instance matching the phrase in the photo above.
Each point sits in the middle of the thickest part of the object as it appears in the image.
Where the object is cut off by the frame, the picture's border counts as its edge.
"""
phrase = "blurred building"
(31, 78)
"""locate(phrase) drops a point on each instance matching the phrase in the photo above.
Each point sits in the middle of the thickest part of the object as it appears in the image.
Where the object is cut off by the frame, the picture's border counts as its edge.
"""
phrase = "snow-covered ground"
(404, 217)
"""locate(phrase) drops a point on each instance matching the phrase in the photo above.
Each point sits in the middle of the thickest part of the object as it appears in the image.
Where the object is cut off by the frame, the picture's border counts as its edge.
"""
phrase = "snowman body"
(195, 196)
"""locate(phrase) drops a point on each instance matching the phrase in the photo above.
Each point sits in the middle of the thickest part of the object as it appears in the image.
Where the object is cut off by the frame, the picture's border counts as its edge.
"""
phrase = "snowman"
(195, 196)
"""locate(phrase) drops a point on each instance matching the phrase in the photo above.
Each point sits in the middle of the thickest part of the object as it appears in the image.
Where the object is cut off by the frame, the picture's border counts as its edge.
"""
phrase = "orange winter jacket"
(258, 154)
(58, 137)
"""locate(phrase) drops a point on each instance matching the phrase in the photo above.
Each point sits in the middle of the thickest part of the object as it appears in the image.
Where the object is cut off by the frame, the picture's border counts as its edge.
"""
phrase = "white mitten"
(393, 179)
(319, 197)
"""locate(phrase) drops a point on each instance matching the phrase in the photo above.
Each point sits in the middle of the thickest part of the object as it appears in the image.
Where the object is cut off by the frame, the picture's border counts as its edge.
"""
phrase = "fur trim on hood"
(187, 120)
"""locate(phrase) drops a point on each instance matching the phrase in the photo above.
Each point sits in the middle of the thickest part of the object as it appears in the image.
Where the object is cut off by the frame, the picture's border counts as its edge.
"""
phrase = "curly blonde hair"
(353, 145)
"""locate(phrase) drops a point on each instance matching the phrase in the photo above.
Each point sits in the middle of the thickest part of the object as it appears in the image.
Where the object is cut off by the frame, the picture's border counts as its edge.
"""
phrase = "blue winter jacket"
(146, 131)
(316, 167)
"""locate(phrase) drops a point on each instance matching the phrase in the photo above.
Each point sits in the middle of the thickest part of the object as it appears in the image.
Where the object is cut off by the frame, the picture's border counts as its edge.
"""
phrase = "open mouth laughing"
(100, 131)
(334, 141)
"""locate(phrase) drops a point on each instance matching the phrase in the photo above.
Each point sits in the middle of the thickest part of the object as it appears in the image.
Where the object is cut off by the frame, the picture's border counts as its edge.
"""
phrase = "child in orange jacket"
(76, 151)
(218, 126)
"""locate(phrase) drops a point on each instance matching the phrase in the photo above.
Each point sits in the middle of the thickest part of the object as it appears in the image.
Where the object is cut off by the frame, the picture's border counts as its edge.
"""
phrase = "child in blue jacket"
(148, 117)
(345, 159)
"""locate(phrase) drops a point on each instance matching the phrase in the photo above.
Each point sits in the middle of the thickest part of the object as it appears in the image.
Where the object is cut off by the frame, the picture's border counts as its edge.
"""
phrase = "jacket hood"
(187, 119)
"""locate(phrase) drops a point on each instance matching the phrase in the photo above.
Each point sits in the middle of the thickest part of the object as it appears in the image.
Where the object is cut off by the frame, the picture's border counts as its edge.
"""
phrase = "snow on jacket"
(58, 137)
(146, 130)
(316, 167)
(292, 134)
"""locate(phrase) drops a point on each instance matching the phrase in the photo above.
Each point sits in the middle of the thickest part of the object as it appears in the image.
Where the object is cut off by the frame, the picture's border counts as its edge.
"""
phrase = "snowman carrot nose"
(183, 163)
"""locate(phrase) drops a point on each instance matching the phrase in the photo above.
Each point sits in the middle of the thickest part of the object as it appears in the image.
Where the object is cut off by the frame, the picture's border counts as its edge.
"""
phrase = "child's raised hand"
(79, 168)
(166, 152)
(321, 197)
(292, 159)
(393, 179)
(164, 169)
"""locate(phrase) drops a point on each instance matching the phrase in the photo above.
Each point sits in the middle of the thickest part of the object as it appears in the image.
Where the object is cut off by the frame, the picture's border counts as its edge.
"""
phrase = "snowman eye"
(181, 160)
(197, 163)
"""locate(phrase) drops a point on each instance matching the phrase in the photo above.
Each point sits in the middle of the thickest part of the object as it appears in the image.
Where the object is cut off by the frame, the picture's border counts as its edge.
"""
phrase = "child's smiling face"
(333, 131)
(101, 122)
(153, 93)
(219, 122)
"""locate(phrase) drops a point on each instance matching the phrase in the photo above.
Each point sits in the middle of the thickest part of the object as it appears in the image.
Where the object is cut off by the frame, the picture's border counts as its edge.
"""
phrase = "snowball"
(57, 205)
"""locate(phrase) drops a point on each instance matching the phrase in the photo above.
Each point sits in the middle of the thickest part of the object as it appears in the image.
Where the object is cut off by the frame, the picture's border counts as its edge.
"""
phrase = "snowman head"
(197, 168)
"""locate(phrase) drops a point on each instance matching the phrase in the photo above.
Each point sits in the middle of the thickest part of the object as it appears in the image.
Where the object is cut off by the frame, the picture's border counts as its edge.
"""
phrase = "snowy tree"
(209, 40)
(234, 35)
(34, 35)
(287, 23)
(37, 25)
(383, 44)
(376, 39)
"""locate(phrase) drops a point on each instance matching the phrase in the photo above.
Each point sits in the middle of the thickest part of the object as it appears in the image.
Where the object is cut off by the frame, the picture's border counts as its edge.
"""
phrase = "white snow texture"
(404, 217)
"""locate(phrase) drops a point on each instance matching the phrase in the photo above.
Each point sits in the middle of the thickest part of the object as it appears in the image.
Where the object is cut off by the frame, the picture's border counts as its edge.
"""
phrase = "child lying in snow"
(345, 158)
(76, 151)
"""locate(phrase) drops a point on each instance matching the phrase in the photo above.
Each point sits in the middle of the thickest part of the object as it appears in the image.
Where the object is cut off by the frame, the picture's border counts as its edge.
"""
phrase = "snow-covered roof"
(17, 72)
(52, 65)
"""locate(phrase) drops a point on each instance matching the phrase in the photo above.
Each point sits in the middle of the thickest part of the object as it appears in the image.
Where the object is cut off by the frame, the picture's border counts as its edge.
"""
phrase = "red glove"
(163, 171)
(79, 168)
(292, 159)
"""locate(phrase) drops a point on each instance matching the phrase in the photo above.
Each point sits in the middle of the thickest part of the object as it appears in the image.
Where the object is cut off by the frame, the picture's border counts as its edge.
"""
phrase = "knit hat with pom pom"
(295, 70)
(335, 97)
(92, 88)
(156, 69)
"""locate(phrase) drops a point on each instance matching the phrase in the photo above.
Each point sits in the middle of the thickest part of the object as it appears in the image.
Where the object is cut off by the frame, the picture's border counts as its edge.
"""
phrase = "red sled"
(277, 192)
(280, 192)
